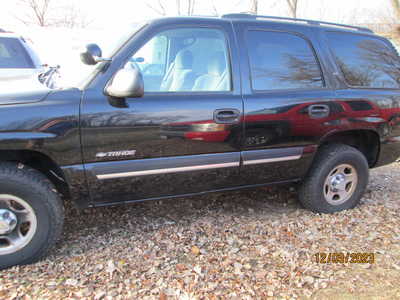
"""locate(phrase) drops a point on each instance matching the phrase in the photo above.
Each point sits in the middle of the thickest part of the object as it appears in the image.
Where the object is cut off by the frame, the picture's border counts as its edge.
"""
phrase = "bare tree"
(253, 6)
(159, 8)
(178, 7)
(293, 5)
(71, 17)
(381, 67)
(187, 6)
(190, 7)
(301, 69)
(44, 14)
(37, 12)
(380, 59)
(214, 8)
(193, 6)
(396, 8)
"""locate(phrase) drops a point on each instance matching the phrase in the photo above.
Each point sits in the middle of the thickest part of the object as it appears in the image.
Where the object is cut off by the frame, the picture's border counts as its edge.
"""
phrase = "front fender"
(49, 127)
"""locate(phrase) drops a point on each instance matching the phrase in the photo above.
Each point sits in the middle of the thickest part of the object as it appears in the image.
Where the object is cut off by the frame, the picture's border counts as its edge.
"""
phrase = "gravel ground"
(243, 245)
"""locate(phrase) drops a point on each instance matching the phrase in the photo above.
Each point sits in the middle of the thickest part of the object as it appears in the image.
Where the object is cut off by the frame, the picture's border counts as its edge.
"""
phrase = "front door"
(183, 135)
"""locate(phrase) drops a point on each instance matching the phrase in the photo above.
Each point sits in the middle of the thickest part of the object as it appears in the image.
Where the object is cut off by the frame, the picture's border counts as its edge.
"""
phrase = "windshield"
(75, 73)
(13, 55)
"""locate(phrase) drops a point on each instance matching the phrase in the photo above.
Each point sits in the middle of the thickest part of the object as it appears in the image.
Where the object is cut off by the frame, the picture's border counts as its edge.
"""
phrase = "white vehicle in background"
(20, 67)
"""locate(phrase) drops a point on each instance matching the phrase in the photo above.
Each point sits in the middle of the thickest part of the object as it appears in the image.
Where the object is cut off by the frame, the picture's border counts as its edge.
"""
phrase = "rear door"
(182, 136)
(288, 104)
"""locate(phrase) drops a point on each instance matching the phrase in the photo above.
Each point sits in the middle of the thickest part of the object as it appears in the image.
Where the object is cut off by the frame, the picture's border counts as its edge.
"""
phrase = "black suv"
(185, 106)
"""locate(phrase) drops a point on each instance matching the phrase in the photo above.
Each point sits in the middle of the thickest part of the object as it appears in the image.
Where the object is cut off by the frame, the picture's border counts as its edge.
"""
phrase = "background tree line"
(42, 12)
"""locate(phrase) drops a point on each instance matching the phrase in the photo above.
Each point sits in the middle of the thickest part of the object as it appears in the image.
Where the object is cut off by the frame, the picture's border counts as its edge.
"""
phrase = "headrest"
(217, 64)
(184, 60)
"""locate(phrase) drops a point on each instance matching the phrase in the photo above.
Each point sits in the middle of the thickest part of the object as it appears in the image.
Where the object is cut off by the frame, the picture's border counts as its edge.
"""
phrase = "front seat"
(180, 75)
(217, 78)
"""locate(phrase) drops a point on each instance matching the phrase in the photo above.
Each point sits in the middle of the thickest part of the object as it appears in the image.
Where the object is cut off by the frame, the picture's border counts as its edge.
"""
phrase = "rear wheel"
(337, 179)
(31, 215)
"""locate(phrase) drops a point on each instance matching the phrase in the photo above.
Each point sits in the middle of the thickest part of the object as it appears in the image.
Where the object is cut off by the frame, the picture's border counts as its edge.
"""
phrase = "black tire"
(35, 189)
(312, 191)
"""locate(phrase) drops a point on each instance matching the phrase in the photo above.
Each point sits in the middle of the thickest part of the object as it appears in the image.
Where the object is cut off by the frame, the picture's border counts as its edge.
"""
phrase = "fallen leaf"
(163, 296)
(195, 250)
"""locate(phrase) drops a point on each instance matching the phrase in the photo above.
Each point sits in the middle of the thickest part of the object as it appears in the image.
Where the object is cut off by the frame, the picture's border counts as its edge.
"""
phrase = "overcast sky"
(106, 13)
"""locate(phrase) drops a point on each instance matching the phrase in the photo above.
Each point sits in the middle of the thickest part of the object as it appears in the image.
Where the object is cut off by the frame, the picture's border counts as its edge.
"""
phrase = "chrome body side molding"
(153, 166)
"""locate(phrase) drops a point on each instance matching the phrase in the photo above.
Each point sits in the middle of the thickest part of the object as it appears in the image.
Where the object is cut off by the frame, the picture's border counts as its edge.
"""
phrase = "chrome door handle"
(318, 111)
(226, 116)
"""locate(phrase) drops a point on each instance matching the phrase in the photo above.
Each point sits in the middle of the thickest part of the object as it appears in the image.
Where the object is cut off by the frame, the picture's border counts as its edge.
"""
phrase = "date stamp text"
(342, 258)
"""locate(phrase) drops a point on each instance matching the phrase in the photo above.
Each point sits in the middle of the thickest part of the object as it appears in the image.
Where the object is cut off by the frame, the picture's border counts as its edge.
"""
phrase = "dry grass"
(243, 245)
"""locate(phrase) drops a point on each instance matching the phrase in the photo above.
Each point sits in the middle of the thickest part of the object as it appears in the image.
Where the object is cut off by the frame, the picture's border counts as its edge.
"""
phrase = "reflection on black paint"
(274, 126)
(281, 60)
(366, 61)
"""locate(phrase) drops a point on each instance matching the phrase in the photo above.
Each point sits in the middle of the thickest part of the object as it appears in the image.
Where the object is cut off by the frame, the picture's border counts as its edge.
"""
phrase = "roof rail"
(310, 22)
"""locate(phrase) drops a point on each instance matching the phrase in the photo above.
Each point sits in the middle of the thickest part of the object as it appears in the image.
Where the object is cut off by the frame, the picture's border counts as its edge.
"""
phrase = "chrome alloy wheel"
(18, 224)
(340, 184)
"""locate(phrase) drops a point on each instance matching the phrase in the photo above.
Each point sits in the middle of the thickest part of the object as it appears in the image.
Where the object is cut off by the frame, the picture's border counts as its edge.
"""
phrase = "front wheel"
(337, 179)
(31, 215)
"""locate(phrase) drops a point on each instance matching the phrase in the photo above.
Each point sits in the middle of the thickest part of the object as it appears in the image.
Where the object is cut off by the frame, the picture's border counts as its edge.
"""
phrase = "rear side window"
(280, 60)
(13, 55)
(365, 61)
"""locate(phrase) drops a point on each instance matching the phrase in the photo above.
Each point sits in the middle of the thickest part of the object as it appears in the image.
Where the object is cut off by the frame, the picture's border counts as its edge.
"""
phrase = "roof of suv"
(245, 16)
(274, 20)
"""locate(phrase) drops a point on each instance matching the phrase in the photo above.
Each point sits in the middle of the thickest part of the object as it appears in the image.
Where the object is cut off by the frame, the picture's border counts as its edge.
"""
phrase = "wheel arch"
(361, 139)
(42, 163)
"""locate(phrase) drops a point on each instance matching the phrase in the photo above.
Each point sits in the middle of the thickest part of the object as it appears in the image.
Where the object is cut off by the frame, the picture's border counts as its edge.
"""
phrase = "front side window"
(365, 61)
(280, 60)
(184, 59)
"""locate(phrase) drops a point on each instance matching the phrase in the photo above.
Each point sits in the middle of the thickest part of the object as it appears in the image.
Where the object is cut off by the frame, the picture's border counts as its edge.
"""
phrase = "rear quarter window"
(13, 55)
(365, 61)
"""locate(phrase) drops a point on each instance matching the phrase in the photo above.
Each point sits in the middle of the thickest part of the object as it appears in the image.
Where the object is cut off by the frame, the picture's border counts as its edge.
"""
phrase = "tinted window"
(13, 55)
(281, 60)
(365, 61)
(184, 59)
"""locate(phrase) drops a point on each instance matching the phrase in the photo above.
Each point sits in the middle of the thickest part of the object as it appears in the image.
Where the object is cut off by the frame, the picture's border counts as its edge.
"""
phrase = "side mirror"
(92, 55)
(127, 83)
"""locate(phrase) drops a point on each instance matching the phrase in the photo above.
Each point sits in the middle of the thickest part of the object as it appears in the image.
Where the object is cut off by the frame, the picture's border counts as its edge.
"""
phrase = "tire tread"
(307, 191)
(40, 184)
